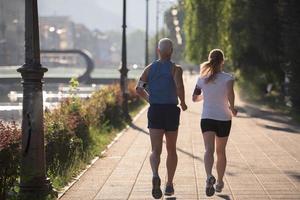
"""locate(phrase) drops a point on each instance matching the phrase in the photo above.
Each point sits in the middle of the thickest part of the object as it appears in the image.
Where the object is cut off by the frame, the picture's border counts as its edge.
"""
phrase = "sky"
(106, 14)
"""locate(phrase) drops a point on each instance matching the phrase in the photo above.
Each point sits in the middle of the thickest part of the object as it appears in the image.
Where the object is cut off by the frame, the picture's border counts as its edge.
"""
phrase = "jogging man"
(160, 85)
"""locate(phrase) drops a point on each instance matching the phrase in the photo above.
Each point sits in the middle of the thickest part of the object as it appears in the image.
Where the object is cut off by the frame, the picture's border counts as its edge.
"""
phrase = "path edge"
(118, 136)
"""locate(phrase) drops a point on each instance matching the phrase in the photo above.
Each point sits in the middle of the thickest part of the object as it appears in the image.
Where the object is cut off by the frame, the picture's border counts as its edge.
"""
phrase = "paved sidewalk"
(263, 156)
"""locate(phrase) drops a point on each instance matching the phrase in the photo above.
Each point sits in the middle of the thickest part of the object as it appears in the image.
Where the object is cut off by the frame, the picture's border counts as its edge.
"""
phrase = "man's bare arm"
(180, 87)
(140, 89)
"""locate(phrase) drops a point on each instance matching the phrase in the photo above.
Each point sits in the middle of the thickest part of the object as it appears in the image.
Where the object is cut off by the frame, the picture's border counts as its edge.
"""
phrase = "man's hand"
(183, 106)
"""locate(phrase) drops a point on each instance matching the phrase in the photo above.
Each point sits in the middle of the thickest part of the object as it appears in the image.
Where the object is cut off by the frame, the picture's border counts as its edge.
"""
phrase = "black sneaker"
(156, 191)
(169, 190)
(219, 186)
(210, 190)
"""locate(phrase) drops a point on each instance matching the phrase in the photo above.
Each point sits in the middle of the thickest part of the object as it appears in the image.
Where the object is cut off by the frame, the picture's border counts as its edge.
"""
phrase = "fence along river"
(11, 92)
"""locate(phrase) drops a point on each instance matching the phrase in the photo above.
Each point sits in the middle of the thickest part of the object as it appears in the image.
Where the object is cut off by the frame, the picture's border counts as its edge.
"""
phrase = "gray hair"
(165, 45)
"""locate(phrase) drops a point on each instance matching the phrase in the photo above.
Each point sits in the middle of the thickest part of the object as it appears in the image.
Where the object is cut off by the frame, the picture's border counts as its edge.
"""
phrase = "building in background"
(60, 32)
(12, 32)
(102, 48)
(56, 32)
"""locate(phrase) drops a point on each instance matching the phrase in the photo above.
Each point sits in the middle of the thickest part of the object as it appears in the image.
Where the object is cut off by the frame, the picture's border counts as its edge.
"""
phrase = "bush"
(67, 139)
(10, 136)
(75, 132)
(95, 108)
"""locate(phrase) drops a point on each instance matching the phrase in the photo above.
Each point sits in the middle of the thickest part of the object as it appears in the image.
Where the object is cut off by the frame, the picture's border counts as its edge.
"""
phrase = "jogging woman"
(217, 91)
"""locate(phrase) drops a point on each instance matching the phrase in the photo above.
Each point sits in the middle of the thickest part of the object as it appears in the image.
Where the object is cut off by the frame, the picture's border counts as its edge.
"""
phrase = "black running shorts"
(221, 128)
(164, 116)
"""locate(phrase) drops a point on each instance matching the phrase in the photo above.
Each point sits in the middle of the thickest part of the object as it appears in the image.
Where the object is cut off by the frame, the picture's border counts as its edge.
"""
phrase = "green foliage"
(202, 27)
(75, 132)
(259, 38)
(73, 87)
(78, 130)
(178, 53)
(10, 136)
(66, 131)
(290, 24)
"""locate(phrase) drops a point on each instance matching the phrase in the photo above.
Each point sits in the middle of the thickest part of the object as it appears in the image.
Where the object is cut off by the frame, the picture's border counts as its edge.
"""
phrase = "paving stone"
(263, 163)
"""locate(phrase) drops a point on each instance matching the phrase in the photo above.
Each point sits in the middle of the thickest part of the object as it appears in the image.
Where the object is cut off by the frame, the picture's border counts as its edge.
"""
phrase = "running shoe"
(156, 191)
(169, 190)
(219, 186)
(210, 190)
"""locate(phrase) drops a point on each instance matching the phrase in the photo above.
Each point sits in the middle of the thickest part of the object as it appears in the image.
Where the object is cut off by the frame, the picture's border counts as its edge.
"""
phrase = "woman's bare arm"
(231, 97)
(197, 95)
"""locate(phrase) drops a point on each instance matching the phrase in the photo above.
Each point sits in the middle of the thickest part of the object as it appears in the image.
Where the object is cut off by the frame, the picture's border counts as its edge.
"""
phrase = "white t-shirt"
(215, 105)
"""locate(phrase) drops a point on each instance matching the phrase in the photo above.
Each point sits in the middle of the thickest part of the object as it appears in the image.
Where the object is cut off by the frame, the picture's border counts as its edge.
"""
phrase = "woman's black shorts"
(222, 128)
(164, 116)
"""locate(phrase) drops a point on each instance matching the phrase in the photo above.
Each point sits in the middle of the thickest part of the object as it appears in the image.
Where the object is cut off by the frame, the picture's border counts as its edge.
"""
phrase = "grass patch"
(135, 108)
(99, 139)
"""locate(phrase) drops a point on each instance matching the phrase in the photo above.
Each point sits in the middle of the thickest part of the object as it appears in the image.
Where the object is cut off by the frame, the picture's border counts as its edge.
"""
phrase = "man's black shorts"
(164, 116)
(221, 128)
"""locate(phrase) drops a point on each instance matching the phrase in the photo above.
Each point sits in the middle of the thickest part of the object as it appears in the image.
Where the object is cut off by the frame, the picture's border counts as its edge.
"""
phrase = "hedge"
(75, 132)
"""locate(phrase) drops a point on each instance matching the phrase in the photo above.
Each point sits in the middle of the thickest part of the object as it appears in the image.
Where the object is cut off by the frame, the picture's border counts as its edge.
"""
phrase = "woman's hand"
(233, 111)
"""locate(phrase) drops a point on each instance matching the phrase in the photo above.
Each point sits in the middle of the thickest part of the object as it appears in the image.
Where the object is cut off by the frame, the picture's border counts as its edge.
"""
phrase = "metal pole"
(147, 34)
(157, 28)
(33, 181)
(124, 70)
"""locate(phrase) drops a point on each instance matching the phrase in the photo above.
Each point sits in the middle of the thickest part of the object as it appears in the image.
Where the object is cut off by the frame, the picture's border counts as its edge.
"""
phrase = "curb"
(66, 188)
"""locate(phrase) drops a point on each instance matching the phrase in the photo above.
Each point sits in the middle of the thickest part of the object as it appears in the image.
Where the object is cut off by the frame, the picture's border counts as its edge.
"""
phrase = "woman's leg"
(209, 142)
(156, 136)
(221, 157)
(171, 139)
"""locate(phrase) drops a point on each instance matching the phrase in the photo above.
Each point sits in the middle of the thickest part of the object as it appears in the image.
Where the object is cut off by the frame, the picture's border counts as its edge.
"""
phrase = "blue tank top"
(161, 85)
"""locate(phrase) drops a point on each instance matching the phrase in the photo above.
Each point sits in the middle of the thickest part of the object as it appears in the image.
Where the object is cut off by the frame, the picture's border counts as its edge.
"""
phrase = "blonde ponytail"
(210, 68)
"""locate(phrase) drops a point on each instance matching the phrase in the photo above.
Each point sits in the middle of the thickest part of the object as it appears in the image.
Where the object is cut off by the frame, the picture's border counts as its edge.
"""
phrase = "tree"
(290, 26)
(177, 36)
(256, 42)
(206, 27)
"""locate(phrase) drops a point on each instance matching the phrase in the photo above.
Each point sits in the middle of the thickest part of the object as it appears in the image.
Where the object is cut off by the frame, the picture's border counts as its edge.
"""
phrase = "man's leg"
(156, 136)
(171, 139)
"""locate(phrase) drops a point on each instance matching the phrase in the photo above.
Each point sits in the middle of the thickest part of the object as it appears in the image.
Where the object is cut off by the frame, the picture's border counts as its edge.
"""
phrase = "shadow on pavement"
(179, 149)
(294, 175)
(170, 198)
(138, 128)
(285, 129)
(242, 116)
(272, 116)
(241, 109)
(267, 115)
(223, 196)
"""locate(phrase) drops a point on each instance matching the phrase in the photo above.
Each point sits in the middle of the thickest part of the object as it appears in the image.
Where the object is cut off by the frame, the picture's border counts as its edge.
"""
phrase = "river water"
(11, 95)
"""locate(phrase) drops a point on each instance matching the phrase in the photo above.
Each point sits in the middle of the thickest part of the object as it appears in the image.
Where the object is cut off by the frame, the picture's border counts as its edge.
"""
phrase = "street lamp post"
(147, 34)
(123, 70)
(157, 28)
(159, 5)
(33, 181)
